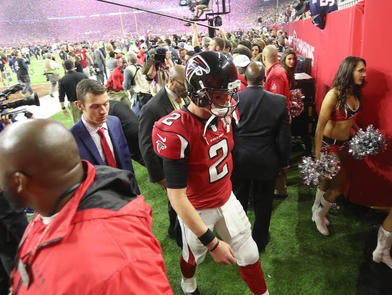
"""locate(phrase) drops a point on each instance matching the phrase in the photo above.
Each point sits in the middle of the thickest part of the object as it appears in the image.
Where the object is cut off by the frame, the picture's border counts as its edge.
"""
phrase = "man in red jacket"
(115, 83)
(276, 82)
(91, 233)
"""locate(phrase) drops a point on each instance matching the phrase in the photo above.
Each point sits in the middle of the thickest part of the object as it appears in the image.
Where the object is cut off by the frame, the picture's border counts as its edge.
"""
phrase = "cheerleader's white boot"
(317, 203)
(383, 249)
(319, 216)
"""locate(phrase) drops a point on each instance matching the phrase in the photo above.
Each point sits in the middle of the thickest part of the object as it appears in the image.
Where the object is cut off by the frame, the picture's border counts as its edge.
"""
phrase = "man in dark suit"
(262, 148)
(96, 125)
(130, 126)
(164, 102)
(67, 86)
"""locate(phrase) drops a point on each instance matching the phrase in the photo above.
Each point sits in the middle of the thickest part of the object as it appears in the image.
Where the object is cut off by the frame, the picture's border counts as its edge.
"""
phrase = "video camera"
(11, 90)
(4, 107)
(157, 54)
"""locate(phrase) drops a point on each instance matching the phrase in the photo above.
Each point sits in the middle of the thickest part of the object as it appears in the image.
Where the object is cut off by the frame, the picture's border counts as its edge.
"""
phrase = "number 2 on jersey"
(218, 151)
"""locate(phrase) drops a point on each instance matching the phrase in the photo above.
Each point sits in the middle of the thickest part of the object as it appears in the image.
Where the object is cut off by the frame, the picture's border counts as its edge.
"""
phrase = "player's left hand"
(223, 254)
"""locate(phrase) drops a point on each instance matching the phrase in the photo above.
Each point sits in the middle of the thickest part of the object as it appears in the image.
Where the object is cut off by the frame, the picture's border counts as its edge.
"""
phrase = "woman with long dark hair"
(256, 50)
(336, 119)
(289, 61)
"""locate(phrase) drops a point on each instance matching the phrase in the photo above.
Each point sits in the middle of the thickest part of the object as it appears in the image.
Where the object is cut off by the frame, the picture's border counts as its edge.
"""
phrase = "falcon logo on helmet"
(196, 66)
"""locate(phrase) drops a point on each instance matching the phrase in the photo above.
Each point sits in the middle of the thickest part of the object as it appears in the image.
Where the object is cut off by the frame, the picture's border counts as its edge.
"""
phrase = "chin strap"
(206, 126)
(225, 120)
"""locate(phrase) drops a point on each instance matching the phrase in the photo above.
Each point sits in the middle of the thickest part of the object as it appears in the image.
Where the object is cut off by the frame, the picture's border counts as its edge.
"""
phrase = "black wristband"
(63, 108)
(207, 237)
(215, 246)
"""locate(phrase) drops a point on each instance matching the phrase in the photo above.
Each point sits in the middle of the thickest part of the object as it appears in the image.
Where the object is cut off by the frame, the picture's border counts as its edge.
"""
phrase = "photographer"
(135, 83)
(99, 64)
(156, 69)
(51, 72)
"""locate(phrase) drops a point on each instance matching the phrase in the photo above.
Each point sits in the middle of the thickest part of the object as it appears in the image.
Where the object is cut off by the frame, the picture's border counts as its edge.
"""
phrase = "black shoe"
(196, 292)
(276, 196)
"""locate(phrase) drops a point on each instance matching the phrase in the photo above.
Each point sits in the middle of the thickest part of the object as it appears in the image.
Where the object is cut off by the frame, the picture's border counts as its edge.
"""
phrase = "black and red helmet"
(209, 71)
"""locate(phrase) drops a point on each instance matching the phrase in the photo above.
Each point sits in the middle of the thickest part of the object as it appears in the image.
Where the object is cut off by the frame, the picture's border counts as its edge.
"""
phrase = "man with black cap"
(67, 86)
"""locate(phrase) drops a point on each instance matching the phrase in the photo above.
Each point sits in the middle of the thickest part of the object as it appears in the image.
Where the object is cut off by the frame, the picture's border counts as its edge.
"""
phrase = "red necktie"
(106, 149)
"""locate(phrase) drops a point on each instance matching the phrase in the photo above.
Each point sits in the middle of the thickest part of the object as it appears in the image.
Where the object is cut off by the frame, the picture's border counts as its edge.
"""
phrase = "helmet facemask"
(204, 97)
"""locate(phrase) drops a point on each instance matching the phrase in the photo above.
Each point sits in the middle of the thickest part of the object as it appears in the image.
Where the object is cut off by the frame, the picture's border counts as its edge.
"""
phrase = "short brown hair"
(88, 86)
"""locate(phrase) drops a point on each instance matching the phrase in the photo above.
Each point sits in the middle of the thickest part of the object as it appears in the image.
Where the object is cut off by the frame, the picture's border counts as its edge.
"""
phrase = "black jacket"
(112, 189)
(130, 126)
(157, 107)
(67, 85)
(262, 137)
(12, 225)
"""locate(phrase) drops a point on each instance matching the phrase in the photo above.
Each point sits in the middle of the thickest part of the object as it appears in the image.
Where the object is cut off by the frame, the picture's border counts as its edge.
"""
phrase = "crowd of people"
(209, 118)
(45, 22)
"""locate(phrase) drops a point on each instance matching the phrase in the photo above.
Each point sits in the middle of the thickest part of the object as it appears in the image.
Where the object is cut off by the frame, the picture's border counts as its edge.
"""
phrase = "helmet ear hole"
(203, 102)
(202, 95)
(200, 98)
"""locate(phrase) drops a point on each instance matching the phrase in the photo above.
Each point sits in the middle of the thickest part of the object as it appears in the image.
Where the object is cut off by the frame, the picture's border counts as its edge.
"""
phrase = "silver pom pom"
(368, 142)
(296, 102)
(308, 170)
(313, 171)
(328, 165)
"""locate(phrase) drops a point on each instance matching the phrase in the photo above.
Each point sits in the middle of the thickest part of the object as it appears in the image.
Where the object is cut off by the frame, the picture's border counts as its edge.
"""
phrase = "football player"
(195, 144)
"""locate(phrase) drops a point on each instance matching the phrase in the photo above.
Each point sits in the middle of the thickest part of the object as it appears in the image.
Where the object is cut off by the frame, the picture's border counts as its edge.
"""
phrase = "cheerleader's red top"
(344, 114)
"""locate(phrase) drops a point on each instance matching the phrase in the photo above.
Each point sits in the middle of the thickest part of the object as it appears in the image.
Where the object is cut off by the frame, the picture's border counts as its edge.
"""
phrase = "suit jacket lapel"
(89, 143)
(166, 103)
